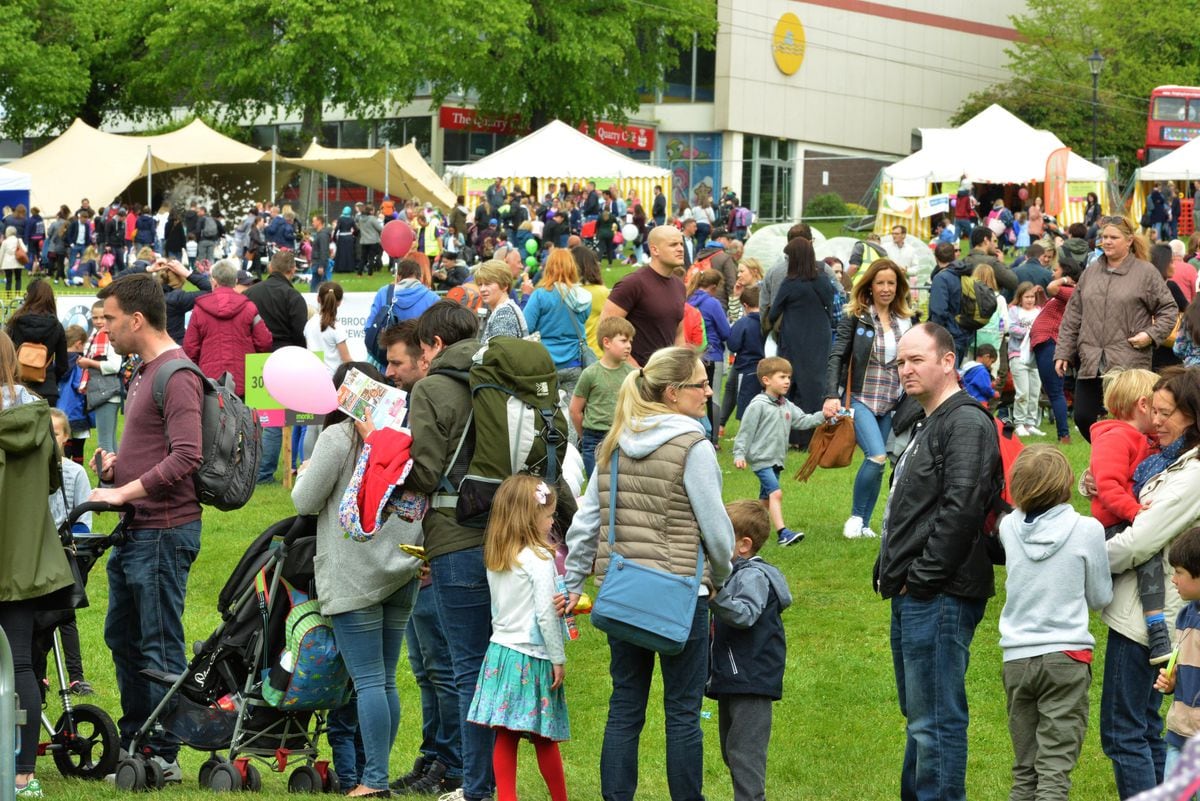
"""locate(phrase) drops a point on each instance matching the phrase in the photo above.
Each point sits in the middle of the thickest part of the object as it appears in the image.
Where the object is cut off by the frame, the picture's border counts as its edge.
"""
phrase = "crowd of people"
(649, 371)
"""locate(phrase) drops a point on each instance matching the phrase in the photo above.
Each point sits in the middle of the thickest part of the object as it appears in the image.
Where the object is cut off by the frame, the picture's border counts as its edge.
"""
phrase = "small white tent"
(14, 187)
(557, 153)
(993, 147)
(1178, 166)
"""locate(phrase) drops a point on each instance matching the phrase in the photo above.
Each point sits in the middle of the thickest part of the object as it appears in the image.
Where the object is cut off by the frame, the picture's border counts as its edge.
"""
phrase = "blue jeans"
(1053, 384)
(345, 743)
(962, 228)
(369, 639)
(147, 584)
(272, 444)
(592, 438)
(683, 677)
(871, 430)
(931, 642)
(106, 426)
(464, 607)
(429, 656)
(1130, 723)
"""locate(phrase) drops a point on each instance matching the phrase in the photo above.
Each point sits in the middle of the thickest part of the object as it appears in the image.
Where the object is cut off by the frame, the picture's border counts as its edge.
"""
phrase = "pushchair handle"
(125, 510)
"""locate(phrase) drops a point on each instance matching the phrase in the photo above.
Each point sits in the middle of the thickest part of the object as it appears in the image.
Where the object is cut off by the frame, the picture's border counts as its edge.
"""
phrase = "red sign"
(468, 119)
(633, 137)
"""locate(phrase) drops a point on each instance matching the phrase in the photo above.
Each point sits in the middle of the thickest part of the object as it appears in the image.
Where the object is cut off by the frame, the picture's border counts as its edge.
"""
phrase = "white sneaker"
(853, 528)
(456, 795)
(1034, 432)
(1021, 431)
(869, 534)
(172, 773)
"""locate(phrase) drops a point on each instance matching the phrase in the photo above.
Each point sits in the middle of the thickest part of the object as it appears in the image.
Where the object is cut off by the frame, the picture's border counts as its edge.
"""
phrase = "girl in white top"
(322, 332)
(1026, 380)
(519, 692)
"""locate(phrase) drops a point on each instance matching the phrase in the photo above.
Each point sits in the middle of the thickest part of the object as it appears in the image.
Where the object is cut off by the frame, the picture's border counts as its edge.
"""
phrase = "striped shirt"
(1183, 718)
(881, 382)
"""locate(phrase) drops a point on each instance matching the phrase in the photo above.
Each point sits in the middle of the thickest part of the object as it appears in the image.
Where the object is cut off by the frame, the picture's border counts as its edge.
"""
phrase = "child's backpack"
(231, 437)
(978, 303)
(309, 673)
(514, 398)
(383, 318)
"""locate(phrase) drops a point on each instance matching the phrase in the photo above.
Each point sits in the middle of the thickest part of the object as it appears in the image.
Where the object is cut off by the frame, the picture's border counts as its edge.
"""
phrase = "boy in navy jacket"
(749, 652)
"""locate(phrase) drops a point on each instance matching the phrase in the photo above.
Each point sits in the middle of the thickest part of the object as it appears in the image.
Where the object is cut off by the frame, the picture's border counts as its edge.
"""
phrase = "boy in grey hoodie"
(762, 438)
(1057, 569)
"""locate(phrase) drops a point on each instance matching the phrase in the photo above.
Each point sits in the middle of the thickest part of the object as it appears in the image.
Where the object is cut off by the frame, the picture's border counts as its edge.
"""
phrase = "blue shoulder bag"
(640, 605)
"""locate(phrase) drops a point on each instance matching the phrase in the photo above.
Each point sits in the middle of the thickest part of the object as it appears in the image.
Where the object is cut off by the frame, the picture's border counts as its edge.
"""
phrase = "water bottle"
(570, 630)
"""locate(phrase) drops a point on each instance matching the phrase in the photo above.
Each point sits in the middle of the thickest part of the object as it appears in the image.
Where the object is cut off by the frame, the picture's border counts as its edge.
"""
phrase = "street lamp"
(1095, 64)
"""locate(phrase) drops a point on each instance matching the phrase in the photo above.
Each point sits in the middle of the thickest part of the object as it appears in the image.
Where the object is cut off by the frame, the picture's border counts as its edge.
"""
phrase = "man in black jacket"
(933, 562)
(284, 311)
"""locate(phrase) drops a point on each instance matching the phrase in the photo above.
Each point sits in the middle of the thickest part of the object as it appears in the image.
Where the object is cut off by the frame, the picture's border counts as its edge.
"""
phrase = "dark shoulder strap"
(164, 375)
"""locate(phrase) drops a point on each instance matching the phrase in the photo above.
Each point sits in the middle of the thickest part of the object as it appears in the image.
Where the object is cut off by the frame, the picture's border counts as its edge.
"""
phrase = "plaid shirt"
(881, 382)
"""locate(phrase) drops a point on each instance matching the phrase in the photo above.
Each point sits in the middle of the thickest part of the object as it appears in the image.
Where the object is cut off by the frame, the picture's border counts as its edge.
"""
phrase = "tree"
(62, 59)
(1144, 45)
(579, 62)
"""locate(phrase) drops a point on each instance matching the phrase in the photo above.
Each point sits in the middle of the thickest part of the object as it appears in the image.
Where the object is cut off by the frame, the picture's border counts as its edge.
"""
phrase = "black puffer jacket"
(46, 329)
(855, 338)
(945, 485)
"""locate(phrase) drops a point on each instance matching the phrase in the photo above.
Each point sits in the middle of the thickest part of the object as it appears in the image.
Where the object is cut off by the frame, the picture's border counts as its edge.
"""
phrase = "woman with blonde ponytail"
(668, 503)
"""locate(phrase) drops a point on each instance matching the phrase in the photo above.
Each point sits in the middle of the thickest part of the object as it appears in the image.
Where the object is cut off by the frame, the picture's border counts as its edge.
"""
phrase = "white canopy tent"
(1179, 166)
(14, 187)
(993, 147)
(556, 153)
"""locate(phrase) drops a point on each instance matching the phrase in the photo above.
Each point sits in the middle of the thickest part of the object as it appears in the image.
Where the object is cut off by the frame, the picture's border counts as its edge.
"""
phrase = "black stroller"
(218, 704)
(83, 742)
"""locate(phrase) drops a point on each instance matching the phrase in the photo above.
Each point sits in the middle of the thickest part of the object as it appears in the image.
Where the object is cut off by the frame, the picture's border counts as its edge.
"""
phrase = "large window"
(695, 163)
(399, 131)
(692, 78)
(767, 177)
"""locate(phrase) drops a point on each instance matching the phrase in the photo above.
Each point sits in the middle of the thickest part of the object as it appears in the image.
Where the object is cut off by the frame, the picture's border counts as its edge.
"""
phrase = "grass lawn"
(838, 733)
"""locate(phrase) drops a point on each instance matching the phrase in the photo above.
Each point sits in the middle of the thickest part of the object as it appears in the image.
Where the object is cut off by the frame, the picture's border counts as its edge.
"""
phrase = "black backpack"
(514, 397)
(383, 318)
(231, 438)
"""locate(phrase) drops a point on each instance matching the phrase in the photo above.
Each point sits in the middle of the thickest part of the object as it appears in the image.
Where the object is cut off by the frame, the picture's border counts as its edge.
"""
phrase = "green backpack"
(514, 399)
(978, 303)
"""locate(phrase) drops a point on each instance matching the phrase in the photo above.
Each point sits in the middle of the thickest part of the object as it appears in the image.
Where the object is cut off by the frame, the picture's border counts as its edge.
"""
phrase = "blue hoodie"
(411, 299)
(977, 381)
(550, 313)
(716, 323)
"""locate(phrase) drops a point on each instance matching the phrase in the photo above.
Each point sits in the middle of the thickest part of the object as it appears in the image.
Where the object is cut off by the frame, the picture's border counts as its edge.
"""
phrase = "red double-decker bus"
(1174, 120)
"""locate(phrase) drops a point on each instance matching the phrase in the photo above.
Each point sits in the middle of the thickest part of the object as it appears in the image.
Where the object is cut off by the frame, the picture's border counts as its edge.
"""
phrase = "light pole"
(1095, 64)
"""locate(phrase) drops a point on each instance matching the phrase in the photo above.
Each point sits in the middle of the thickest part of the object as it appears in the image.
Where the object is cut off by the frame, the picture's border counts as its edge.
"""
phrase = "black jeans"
(13, 275)
(16, 621)
(1089, 403)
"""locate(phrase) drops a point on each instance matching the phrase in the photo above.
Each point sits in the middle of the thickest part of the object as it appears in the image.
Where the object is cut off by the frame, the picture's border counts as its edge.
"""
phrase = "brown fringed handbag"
(833, 441)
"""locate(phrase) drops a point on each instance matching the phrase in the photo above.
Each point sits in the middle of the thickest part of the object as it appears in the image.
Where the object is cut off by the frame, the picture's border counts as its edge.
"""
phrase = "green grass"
(838, 733)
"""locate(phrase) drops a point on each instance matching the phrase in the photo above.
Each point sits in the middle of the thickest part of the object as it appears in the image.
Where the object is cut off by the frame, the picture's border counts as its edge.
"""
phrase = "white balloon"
(630, 232)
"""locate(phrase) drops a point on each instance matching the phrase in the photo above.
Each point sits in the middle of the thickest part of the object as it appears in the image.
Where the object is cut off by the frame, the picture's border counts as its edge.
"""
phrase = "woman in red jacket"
(225, 326)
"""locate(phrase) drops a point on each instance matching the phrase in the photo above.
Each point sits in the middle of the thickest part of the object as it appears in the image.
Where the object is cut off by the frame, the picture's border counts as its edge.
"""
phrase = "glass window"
(455, 147)
(262, 136)
(421, 129)
(290, 141)
(1193, 114)
(1169, 108)
(677, 80)
(706, 74)
(356, 133)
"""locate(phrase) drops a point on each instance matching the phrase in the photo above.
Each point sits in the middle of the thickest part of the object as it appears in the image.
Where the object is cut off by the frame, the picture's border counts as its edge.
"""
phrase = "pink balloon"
(298, 380)
(397, 239)
(1023, 193)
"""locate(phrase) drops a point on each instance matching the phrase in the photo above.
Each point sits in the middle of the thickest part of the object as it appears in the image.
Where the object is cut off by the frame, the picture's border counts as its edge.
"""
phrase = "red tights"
(504, 763)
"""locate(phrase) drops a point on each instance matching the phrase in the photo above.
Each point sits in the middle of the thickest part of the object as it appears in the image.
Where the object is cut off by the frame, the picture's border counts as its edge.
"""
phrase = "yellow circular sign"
(787, 45)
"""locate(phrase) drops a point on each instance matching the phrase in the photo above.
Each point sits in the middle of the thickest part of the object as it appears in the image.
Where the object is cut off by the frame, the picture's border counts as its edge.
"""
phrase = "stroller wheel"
(94, 750)
(225, 778)
(154, 775)
(131, 774)
(305, 779)
(253, 779)
(206, 770)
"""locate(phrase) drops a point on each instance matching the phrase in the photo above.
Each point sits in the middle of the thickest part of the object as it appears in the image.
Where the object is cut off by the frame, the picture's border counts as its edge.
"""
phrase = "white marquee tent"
(993, 147)
(555, 153)
(1179, 166)
(14, 187)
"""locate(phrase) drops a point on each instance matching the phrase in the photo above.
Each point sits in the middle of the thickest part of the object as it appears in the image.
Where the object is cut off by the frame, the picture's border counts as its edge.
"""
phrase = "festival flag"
(1056, 181)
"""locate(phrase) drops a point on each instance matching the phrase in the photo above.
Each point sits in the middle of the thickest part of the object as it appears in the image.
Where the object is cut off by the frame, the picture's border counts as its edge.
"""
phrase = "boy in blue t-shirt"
(1182, 674)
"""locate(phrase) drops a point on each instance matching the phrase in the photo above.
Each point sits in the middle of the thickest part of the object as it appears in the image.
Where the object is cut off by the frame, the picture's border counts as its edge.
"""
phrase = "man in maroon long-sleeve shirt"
(159, 453)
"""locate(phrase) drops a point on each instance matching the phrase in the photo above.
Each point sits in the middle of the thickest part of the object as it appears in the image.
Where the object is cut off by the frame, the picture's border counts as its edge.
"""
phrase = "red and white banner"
(632, 137)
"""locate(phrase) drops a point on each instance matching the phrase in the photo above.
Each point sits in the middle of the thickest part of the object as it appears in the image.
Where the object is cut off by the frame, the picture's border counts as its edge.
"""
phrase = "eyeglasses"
(701, 385)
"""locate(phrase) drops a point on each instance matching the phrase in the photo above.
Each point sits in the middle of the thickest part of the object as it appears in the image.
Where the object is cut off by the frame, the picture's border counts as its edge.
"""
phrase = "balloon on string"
(531, 246)
(630, 232)
(1023, 193)
(531, 261)
(298, 380)
(396, 239)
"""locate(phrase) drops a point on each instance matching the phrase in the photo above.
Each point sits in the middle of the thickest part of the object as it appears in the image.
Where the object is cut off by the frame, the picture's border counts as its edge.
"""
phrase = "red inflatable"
(396, 239)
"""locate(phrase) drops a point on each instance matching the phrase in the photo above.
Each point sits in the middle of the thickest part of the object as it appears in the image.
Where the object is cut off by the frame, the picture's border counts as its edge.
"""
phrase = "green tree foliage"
(1145, 44)
(543, 59)
(232, 58)
(61, 59)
